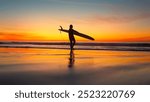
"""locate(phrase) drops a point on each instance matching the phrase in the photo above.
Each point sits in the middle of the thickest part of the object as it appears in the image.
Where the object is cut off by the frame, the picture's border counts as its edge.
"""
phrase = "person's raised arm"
(64, 30)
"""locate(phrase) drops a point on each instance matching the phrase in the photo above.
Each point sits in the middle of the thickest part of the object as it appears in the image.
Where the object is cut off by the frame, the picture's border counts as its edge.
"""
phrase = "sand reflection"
(71, 59)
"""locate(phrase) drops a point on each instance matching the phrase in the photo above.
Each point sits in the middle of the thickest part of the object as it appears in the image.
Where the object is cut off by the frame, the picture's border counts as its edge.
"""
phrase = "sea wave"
(79, 46)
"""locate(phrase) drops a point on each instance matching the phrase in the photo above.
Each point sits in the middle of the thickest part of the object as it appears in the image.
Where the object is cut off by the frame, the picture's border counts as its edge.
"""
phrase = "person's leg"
(71, 44)
(70, 39)
(74, 42)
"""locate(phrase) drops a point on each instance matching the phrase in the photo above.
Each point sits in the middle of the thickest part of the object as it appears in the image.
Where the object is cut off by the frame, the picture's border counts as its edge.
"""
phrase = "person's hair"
(71, 26)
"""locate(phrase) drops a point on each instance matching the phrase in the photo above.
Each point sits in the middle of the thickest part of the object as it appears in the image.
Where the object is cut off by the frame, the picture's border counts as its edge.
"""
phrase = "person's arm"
(64, 30)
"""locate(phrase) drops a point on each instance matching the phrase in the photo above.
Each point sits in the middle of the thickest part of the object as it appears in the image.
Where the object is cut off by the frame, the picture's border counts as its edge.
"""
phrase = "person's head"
(71, 26)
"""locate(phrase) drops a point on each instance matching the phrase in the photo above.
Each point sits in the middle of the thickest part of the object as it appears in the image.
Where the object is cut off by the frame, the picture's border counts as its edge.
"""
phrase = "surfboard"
(78, 34)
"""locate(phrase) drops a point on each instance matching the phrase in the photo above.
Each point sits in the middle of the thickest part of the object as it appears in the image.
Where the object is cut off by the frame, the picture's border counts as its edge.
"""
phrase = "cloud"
(11, 36)
(120, 19)
(18, 36)
(110, 19)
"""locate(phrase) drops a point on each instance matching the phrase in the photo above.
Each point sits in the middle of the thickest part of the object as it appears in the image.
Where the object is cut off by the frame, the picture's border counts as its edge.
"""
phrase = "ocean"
(124, 46)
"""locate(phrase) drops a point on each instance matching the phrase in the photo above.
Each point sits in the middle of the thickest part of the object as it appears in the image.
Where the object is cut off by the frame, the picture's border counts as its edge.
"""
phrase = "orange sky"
(109, 21)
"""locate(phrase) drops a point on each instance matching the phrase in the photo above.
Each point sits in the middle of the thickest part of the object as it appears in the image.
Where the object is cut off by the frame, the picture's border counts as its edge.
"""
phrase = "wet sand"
(21, 66)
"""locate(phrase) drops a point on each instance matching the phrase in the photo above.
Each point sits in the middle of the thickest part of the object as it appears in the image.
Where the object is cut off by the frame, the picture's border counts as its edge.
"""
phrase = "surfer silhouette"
(71, 36)
(73, 32)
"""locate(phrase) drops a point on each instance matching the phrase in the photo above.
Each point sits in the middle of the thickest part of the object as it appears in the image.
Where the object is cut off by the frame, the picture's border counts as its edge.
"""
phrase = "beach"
(35, 66)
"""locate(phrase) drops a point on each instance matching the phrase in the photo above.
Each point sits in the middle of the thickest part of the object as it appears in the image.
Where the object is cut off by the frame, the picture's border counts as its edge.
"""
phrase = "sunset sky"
(105, 20)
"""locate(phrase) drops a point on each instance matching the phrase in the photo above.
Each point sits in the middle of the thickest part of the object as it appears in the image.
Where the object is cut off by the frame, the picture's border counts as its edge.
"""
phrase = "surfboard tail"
(83, 35)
